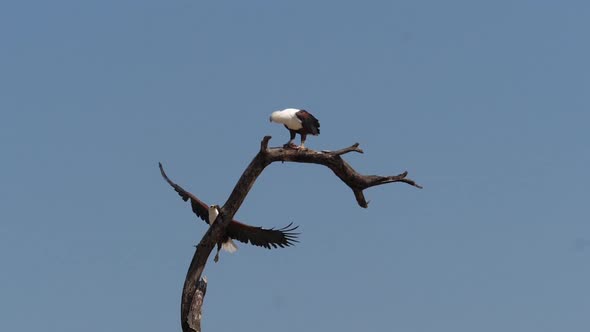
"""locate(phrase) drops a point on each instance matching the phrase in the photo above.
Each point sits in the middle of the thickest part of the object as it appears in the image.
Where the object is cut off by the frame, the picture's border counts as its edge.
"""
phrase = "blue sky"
(486, 104)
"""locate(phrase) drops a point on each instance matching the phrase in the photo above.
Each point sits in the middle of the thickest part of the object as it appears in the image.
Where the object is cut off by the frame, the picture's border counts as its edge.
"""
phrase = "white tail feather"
(229, 246)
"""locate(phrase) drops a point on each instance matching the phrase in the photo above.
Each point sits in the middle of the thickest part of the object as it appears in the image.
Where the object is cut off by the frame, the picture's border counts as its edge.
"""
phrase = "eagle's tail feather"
(229, 246)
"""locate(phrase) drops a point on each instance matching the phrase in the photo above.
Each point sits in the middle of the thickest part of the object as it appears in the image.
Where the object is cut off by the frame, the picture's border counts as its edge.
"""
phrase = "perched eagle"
(298, 122)
(258, 236)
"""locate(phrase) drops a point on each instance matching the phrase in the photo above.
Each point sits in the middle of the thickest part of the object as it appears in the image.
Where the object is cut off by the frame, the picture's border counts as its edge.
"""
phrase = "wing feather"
(267, 238)
(199, 208)
(309, 122)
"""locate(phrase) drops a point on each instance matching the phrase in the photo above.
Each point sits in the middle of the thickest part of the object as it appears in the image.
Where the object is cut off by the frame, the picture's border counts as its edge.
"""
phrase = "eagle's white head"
(274, 116)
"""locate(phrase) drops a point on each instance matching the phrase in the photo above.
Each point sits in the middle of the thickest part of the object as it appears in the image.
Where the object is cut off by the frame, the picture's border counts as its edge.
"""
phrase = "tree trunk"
(195, 287)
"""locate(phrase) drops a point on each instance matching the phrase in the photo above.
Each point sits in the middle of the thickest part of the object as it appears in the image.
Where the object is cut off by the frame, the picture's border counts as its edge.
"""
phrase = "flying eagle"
(258, 236)
(298, 122)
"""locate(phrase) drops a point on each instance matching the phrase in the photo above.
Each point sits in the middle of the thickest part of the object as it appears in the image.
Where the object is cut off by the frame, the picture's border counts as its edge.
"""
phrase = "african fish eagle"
(297, 122)
(258, 236)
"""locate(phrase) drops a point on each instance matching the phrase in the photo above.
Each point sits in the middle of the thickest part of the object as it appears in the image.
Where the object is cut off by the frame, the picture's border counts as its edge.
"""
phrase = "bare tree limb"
(354, 147)
(194, 286)
(195, 311)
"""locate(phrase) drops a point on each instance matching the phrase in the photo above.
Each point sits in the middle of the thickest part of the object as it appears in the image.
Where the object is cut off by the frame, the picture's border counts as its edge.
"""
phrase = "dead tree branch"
(194, 286)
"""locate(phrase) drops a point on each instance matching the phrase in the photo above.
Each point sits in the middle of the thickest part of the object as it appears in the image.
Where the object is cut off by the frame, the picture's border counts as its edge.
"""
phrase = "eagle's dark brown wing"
(309, 122)
(267, 238)
(199, 208)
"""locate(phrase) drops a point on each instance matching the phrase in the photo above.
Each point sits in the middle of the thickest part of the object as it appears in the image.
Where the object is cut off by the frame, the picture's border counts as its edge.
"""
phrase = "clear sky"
(486, 104)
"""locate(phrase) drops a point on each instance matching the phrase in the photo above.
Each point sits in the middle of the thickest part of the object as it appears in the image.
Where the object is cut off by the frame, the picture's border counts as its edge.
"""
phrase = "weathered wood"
(194, 288)
(195, 311)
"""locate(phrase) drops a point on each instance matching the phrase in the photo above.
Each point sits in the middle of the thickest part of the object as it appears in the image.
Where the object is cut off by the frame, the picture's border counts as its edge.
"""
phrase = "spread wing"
(309, 122)
(267, 238)
(258, 236)
(199, 208)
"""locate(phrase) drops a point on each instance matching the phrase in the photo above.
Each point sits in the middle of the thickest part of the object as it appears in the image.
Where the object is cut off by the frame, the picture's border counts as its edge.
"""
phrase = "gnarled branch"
(194, 286)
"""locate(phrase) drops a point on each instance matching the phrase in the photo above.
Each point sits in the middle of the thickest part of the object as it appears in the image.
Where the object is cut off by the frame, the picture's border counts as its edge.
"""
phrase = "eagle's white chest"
(288, 117)
(213, 213)
(228, 245)
(293, 123)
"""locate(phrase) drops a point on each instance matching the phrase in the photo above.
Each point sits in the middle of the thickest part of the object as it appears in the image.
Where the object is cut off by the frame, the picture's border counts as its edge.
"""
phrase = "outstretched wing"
(267, 238)
(258, 236)
(199, 208)
(309, 122)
